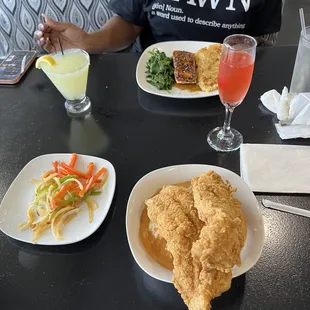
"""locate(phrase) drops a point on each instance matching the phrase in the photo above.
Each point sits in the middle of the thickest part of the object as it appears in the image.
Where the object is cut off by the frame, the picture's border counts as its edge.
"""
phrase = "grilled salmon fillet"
(208, 62)
(184, 67)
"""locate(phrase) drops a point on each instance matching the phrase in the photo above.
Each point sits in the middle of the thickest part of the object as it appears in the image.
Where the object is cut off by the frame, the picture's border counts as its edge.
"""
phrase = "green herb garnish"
(159, 70)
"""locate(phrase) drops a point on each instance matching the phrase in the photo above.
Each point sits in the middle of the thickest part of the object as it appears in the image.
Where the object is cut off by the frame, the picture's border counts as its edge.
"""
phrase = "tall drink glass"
(69, 75)
(301, 75)
(235, 75)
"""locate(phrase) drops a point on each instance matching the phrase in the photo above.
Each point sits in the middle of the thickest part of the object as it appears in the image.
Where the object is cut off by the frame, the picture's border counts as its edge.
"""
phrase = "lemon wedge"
(47, 59)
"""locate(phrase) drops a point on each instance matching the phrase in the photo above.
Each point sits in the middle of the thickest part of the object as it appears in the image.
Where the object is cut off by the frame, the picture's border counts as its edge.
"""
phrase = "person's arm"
(265, 23)
(118, 33)
(267, 39)
(115, 35)
(121, 30)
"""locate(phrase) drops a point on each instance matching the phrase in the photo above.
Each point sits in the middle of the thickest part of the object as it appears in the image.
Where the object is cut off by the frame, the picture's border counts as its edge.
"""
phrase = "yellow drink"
(70, 73)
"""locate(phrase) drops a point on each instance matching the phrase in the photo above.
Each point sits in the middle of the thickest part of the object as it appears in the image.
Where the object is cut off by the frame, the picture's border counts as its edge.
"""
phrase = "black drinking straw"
(62, 51)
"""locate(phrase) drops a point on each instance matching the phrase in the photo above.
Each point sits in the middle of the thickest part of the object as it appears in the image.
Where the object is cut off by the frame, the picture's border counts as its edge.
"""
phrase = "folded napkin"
(276, 168)
(293, 113)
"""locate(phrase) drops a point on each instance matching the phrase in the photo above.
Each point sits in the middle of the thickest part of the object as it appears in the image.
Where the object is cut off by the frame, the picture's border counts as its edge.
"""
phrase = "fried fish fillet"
(208, 62)
(176, 218)
(217, 207)
(205, 231)
(223, 236)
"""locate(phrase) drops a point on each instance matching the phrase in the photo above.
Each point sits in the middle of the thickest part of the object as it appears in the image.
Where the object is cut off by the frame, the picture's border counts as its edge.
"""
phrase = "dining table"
(138, 133)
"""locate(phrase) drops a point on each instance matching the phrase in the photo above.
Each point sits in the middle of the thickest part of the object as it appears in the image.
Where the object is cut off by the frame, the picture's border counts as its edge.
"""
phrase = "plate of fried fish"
(180, 69)
(196, 226)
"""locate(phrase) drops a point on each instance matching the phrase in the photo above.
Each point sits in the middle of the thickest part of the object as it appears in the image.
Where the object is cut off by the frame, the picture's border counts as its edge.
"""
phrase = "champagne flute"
(235, 75)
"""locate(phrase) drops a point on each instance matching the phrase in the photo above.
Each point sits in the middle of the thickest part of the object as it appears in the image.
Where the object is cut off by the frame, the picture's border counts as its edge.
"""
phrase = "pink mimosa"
(235, 75)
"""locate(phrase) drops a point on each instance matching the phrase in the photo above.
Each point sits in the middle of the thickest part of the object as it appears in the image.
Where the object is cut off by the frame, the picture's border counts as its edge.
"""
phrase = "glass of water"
(301, 75)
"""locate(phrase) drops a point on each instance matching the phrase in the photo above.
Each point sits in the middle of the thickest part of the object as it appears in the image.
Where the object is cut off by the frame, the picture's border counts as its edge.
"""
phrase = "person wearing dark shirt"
(140, 23)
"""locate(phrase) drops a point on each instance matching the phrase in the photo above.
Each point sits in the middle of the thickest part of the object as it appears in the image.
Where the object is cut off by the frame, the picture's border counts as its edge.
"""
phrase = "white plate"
(168, 48)
(154, 180)
(21, 193)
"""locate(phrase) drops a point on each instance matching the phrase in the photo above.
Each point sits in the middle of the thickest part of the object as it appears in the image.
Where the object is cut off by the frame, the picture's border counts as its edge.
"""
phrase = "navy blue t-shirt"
(200, 20)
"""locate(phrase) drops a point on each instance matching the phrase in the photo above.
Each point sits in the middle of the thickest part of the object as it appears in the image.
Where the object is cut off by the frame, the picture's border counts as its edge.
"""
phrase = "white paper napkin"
(276, 168)
(270, 100)
(293, 112)
(300, 110)
(293, 131)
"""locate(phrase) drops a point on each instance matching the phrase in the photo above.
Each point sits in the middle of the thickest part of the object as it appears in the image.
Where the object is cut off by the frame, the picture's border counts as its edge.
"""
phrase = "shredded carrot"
(55, 165)
(89, 183)
(62, 171)
(64, 189)
(99, 173)
(70, 170)
(96, 176)
(73, 160)
(90, 169)
(87, 186)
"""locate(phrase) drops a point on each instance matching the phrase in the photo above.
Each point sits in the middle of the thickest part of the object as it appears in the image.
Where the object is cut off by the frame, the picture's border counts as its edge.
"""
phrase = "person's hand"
(70, 36)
